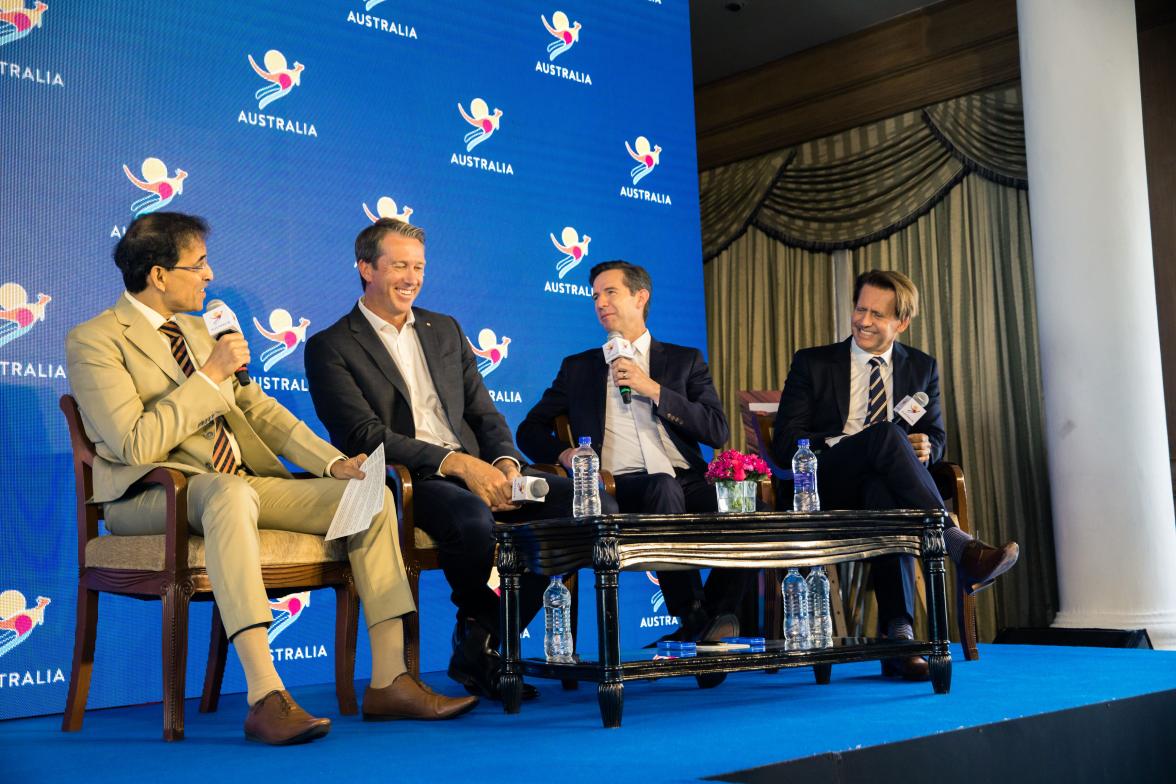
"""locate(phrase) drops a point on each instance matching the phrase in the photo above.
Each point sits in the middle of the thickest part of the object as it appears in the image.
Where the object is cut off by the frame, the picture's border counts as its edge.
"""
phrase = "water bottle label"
(802, 483)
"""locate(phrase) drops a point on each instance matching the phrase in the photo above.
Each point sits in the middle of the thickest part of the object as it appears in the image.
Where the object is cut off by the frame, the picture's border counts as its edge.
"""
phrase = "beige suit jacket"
(141, 411)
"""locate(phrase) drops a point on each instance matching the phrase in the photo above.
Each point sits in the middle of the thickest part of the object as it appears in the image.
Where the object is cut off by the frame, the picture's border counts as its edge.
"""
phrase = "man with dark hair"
(155, 389)
(650, 444)
(394, 374)
(846, 399)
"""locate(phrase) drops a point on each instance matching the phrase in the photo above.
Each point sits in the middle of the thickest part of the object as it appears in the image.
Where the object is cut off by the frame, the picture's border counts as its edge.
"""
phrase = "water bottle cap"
(585, 440)
(802, 442)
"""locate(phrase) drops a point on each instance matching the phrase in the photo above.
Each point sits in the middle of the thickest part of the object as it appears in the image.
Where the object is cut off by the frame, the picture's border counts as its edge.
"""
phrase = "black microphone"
(220, 320)
(615, 348)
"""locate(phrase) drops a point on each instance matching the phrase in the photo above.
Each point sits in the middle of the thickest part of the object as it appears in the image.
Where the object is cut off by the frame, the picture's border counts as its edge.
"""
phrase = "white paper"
(362, 499)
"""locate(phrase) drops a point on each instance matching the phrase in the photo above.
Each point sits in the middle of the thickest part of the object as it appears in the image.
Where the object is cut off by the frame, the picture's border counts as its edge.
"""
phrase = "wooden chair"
(758, 410)
(171, 567)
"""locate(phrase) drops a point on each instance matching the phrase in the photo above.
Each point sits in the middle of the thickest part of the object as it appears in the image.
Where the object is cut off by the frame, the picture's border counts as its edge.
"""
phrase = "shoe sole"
(312, 734)
(1004, 566)
(454, 715)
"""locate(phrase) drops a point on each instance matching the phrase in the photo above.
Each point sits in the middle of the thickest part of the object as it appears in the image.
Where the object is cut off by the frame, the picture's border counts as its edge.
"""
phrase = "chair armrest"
(175, 488)
(548, 468)
(949, 479)
(610, 483)
(403, 480)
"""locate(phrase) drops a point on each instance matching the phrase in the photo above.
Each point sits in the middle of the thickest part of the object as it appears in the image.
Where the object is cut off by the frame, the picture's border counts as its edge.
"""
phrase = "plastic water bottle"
(820, 616)
(804, 479)
(557, 610)
(796, 611)
(585, 480)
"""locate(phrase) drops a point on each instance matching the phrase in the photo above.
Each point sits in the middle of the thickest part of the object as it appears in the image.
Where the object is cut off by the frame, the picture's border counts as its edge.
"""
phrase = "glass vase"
(735, 496)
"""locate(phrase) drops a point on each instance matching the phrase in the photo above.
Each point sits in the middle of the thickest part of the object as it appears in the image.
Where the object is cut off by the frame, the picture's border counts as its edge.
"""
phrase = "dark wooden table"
(611, 543)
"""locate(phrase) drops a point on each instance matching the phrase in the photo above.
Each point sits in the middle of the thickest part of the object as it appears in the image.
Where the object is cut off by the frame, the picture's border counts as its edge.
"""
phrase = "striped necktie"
(876, 405)
(222, 451)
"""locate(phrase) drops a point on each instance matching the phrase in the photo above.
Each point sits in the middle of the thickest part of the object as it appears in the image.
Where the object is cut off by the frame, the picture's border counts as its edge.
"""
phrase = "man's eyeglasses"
(192, 267)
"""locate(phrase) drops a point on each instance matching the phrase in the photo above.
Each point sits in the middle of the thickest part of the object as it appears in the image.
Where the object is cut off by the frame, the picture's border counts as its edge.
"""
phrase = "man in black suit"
(848, 400)
(650, 444)
(393, 374)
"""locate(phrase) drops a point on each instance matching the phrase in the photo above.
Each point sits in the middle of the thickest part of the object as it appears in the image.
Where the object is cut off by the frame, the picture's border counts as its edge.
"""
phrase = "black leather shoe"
(476, 663)
(980, 564)
(689, 630)
(910, 668)
(725, 625)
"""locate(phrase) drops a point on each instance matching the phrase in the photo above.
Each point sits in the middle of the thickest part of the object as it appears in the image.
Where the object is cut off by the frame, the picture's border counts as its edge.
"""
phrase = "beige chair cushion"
(146, 552)
(422, 540)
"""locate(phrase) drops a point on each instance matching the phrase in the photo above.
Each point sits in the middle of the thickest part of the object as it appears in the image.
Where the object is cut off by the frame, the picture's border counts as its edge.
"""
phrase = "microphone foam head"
(539, 488)
(921, 398)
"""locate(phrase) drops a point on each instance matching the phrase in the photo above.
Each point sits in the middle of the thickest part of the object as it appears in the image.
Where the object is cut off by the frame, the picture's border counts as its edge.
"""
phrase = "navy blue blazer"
(815, 400)
(689, 406)
(362, 399)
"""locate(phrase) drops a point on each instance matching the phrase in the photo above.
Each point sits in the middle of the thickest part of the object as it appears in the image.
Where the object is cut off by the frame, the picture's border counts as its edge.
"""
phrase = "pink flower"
(732, 465)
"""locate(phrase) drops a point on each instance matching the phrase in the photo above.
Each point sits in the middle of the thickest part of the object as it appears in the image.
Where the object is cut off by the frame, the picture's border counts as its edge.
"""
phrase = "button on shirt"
(404, 346)
(859, 387)
(622, 451)
(156, 320)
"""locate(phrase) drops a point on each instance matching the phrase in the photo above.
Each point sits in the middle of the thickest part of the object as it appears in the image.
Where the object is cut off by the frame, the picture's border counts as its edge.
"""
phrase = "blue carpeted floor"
(672, 731)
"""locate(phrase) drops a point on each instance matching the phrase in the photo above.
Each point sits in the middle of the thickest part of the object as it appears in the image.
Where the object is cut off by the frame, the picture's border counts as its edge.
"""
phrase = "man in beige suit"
(155, 389)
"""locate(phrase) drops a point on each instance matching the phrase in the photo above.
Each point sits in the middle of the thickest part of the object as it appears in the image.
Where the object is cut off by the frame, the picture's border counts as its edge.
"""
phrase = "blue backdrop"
(530, 140)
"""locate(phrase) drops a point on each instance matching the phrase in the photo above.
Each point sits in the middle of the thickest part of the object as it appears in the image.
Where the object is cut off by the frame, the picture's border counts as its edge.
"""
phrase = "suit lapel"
(431, 348)
(361, 328)
(903, 381)
(841, 372)
(148, 340)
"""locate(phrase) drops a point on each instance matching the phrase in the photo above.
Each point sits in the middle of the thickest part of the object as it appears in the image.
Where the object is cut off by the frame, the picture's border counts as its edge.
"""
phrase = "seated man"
(844, 398)
(650, 444)
(154, 389)
(393, 374)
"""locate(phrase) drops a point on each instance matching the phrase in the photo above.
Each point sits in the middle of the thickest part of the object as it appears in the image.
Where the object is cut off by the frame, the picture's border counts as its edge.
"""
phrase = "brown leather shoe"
(982, 563)
(279, 721)
(408, 698)
(910, 668)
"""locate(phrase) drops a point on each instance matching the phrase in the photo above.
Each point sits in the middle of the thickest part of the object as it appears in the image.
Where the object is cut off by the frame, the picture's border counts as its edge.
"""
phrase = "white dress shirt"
(859, 388)
(631, 431)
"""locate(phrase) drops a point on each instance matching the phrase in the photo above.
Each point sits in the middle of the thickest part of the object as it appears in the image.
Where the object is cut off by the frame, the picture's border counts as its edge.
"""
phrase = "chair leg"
(175, 658)
(214, 673)
(966, 620)
(346, 631)
(85, 631)
(412, 625)
(836, 601)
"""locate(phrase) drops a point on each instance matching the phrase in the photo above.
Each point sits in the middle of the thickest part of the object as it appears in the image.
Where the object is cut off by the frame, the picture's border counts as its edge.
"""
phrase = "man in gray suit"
(394, 374)
(155, 389)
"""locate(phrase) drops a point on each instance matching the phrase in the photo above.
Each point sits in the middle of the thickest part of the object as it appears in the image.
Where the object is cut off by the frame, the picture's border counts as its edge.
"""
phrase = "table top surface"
(895, 519)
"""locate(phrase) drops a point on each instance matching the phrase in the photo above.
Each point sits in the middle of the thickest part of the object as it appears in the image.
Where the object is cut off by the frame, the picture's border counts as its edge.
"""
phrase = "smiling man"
(394, 374)
(844, 398)
(155, 389)
(651, 443)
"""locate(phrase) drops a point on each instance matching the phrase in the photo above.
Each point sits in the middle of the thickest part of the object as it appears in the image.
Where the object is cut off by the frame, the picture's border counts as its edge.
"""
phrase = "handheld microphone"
(615, 348)
(529, 489)
(220, 319)
(911, 408)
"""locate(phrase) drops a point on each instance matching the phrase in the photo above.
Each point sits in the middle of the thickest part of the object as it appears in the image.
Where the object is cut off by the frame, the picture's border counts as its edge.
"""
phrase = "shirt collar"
(862, 357)
(641, 344)
(154, 317)
(379, 324)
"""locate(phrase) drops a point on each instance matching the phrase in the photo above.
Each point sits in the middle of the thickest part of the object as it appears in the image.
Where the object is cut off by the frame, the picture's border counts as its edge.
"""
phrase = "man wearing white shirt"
(394, 374)
(651, 443)
(842, 398)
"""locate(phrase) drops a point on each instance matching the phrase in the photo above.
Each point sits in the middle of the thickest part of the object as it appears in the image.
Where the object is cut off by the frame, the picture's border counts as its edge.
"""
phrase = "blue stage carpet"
(672, 731)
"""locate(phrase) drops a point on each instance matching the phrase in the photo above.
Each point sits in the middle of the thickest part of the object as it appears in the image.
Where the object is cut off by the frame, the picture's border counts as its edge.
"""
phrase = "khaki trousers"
(228, 511)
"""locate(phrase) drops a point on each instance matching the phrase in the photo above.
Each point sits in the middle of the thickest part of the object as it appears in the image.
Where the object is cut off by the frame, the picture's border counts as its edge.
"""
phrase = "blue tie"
(876, 405)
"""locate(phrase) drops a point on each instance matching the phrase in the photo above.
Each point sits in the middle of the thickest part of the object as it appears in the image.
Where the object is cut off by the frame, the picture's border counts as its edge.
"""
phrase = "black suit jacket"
(689, 406)
(362, 399)
(815, 400)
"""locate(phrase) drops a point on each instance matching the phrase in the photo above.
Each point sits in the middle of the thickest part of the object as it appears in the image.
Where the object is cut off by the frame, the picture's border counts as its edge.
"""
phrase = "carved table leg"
(822, 672)
(511, 683)
(610, 693)
(934, 551)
